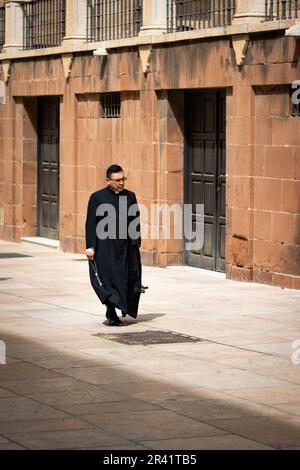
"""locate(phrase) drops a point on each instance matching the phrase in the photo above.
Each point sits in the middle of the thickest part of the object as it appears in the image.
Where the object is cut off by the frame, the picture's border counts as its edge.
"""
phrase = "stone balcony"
(244, 17)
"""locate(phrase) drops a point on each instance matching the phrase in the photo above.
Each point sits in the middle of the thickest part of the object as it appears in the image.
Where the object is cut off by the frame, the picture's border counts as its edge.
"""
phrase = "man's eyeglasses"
(119, 180)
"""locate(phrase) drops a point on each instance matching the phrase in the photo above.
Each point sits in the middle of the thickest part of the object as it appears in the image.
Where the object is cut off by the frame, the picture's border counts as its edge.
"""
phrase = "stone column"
(13, 26)
(76, 21)
(154, 17)
(249, 11)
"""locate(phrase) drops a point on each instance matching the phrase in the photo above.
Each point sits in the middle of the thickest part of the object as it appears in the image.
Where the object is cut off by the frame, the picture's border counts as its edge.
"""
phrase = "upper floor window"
(113, 19)
(187, 15)
(281, 9)
(44, 23)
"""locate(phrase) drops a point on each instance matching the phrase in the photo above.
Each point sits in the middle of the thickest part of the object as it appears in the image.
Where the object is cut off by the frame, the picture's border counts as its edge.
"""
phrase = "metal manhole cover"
(145, 338)
(14, 255)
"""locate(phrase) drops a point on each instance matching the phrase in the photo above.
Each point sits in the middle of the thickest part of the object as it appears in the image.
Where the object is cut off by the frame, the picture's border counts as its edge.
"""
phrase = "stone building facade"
(196, 105)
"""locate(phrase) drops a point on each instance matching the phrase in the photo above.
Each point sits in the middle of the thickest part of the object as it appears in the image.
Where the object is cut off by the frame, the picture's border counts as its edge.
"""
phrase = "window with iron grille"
(187, 15)
(281, 9)
(113, 19)
(2, 27)
(44, 23)
(110, 105)
(295, 99)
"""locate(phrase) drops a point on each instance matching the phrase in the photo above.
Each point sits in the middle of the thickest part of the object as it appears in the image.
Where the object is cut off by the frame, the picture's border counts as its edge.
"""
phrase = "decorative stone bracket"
(145, 53)
(67, 60)
(6, 65)
(240, 46)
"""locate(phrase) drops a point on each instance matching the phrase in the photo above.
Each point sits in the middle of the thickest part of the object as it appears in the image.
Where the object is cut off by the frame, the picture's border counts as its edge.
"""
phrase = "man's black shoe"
(116, 322)
(124, 314)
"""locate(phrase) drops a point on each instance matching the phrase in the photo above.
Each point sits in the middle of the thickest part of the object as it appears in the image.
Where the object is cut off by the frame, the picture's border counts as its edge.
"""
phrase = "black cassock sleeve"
(90, 224)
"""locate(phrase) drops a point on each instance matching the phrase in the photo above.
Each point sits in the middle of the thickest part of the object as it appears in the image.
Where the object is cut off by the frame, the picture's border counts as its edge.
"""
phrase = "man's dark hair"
(113, 169)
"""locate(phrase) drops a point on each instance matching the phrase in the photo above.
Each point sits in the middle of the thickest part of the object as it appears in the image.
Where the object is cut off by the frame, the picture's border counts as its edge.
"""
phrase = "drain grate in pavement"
(145, 338)
(14, 255)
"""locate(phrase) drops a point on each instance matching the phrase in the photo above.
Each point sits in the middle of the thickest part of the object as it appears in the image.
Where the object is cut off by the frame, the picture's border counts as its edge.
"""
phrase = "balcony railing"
(281, 9)
(113, 19)
(44, 23)
(2, 27)
(187, 15)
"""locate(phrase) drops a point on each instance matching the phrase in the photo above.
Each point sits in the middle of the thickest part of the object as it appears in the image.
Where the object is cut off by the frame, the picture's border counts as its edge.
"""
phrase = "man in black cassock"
(113, 246)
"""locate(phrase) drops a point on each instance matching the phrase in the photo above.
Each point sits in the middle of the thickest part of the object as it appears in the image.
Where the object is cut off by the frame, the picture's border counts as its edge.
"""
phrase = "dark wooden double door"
(48, 167)
(205, 173)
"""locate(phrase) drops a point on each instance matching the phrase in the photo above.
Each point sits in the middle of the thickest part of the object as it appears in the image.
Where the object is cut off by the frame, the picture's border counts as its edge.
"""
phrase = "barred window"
(44, 23)
(113, 19)
(281, 9)
(187, 15)
(110, 105)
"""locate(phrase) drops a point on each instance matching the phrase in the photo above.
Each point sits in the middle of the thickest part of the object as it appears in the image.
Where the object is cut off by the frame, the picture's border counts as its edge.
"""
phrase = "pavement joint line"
(231, 346)
(48, 303)
(273, 319)
(12, 441)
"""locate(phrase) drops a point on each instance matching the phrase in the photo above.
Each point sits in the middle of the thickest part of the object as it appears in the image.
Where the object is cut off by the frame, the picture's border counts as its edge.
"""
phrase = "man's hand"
(90, 254)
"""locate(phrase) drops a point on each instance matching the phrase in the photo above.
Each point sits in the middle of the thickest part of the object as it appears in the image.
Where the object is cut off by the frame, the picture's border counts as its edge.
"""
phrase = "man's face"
(116, 181)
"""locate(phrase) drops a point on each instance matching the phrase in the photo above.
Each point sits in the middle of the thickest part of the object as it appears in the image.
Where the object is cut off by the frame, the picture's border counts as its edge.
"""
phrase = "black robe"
(117, 258)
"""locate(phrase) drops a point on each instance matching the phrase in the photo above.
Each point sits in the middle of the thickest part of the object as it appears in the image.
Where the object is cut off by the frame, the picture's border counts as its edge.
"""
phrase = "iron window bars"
(113, 19)
(281, 9)
(2, 27)
(187, 15)
(44, 23)
(111, 105)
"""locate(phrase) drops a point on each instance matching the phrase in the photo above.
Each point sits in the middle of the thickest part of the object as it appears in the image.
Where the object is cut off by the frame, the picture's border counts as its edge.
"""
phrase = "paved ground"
(64, 387)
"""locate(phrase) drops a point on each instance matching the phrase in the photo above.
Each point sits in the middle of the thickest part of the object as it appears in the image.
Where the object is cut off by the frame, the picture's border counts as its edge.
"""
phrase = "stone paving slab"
(5, 393)
(65, 387)
(68, 439)
(270, 396)
(278, 433)
(288, 373)
(62, 362)
(21, 408)
(106, 375)
(22, 370)
(153, 424)
(227, 378)
(41, 425)
(219, 408)
(11, 446)
(48, 385)
(62, 400)
(290, 408)
(111, 407)
(207, 443)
